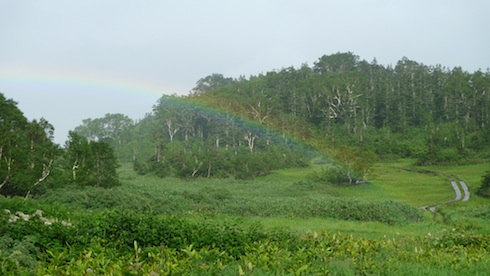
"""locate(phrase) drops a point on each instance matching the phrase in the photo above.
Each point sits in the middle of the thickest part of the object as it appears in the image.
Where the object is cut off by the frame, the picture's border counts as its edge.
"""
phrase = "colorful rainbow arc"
(83, 81)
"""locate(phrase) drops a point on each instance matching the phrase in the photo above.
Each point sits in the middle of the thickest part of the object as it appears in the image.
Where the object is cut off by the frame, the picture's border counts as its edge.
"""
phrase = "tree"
(353, 166)
(105, 165)
(109, 128)
(211, 82)
(484, 189)
(13, 146)
(91, 163)
(90, 129)
(27, 151)
(406, 110)
(339, 62)
(43, 152)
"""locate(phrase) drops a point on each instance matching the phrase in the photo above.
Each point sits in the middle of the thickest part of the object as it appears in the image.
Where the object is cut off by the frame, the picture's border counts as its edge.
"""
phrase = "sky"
(67, 61)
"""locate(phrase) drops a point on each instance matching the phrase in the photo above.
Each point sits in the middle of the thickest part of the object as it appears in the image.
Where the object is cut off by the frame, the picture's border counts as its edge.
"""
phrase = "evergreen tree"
(484, 189)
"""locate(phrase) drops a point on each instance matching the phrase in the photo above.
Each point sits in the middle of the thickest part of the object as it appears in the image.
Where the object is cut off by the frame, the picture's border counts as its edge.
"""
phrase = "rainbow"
(80, 80)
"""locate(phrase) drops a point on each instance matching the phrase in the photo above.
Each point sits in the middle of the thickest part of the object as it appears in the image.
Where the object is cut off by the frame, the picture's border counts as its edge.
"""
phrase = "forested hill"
(342, 105)
(411, 110)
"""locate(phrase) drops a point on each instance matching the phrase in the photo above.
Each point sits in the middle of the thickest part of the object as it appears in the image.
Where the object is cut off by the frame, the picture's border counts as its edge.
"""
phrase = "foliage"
(189, 142)
(242, 127)
(30, 162)
(337, 175)
(211, 82)
(484, 189)
(112, 128)
(90, 163)
(343, 106)
(126, 242)
(306, 200)
(17, 255)
(410, 110)
(350, 167)
(27, 152)
(109, 234)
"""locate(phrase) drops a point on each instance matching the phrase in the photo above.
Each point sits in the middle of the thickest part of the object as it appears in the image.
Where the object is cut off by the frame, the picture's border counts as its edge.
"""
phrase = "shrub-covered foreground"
(57, 241)
(211, 201)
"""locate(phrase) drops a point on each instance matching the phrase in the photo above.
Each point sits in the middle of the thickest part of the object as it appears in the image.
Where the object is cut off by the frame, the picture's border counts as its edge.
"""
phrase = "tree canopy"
(30, 162)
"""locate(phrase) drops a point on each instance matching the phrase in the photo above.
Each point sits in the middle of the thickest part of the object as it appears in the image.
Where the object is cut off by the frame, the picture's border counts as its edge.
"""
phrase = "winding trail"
(454, 184)
(457, 191)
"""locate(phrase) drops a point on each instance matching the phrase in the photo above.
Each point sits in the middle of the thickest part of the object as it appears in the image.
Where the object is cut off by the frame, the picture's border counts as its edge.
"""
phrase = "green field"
(283, 223)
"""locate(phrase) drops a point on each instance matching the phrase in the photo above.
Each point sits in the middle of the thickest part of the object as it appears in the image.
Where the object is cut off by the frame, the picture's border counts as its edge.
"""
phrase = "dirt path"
(457, 191)
(466, 191)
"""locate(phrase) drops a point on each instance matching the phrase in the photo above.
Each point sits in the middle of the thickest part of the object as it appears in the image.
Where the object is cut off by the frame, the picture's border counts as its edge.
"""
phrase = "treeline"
(432, 113)
(184, 139)
(30, 162)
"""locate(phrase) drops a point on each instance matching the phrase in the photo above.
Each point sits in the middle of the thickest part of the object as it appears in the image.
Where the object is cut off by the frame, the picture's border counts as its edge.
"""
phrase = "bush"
(337, 175)
(484, 189)
(17, 256)
(123, 227)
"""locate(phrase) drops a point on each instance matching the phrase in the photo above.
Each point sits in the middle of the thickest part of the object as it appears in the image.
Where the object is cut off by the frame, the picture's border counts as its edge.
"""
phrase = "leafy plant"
(484, 189)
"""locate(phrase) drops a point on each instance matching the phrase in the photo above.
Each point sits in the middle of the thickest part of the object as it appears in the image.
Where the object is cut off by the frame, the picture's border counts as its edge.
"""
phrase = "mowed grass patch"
(417, 189)
(471, 174)
(474, 214)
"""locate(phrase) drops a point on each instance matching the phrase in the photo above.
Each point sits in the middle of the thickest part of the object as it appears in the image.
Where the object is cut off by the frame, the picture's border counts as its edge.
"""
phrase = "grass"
(414, 188)
(471, 174)
(453, 240)
(276, 200)
(368, 230)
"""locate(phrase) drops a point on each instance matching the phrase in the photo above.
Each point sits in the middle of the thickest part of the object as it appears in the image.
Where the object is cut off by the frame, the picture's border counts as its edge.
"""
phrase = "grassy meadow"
(283, 223)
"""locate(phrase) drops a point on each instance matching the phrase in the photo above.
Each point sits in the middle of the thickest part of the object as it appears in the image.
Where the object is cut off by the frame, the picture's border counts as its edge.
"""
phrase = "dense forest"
(342, 107)
(411, 110)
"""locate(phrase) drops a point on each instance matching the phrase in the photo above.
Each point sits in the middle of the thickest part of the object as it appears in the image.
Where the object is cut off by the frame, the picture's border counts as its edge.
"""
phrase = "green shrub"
(484, 189)
(122, 227)
(336, 175)
(389, 212)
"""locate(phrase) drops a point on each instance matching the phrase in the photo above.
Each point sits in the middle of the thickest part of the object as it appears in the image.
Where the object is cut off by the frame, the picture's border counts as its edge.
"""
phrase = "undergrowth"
(150, 226)
(269, 197)
(141, 243)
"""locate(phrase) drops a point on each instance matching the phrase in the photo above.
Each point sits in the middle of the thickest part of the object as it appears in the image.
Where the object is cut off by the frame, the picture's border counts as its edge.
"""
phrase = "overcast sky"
(70, 60)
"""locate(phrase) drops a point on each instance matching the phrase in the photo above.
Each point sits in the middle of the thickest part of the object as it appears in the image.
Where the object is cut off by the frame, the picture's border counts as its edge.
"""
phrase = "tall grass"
(208, 226)
(266, 197)
(391, 197)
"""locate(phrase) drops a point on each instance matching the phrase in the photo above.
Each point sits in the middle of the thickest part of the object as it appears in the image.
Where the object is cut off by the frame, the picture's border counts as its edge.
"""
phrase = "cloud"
(172, 44)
